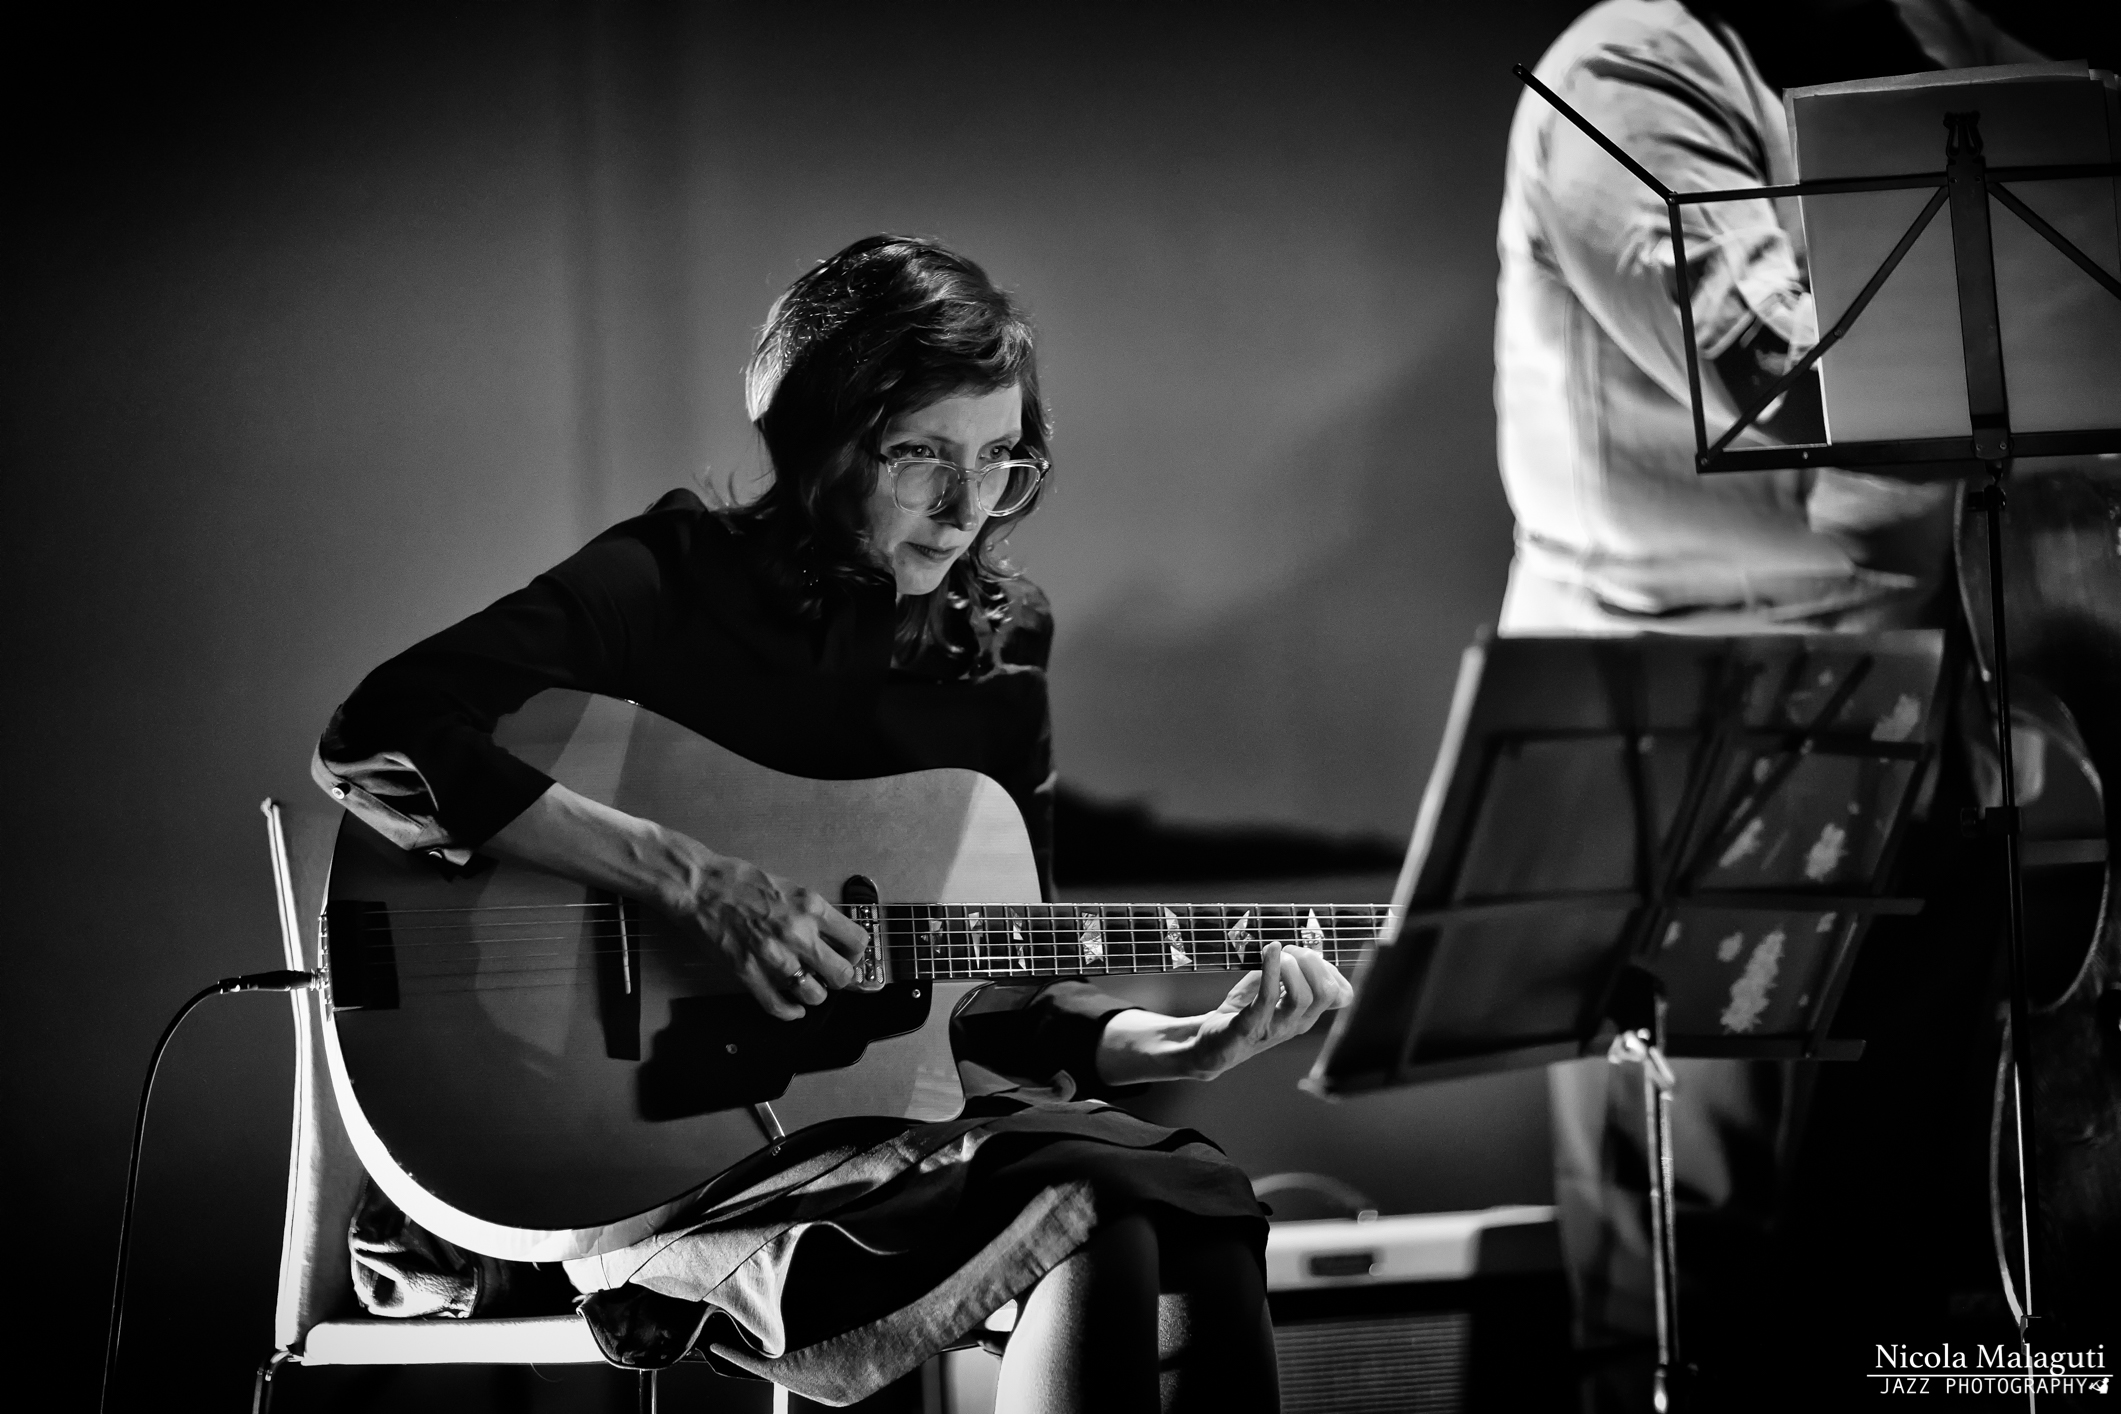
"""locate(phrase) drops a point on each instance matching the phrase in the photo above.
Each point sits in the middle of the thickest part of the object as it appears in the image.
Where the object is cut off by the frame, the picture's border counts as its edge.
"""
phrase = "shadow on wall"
(1124, 842)
(1334, 682)
(1445, 1146)
(1341, 672)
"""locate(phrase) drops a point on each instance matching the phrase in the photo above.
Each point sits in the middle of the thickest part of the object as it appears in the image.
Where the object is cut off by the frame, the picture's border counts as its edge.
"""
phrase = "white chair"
(318, 1321)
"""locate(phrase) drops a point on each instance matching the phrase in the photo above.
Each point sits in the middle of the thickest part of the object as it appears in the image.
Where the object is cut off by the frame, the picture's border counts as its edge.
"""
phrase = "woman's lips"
(932, 552)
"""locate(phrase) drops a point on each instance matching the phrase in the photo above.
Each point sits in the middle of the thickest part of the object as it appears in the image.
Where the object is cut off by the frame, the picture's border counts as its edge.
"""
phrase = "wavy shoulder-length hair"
(884, 328)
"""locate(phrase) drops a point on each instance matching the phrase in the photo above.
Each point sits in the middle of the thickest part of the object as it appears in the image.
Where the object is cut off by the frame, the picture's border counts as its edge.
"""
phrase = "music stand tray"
(1642, 847)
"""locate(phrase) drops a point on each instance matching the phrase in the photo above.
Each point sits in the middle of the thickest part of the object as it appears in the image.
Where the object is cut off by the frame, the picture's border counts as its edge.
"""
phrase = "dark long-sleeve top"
(672, 610)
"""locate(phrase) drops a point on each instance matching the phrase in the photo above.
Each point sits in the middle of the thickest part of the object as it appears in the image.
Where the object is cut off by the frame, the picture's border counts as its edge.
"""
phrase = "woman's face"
(970, 429)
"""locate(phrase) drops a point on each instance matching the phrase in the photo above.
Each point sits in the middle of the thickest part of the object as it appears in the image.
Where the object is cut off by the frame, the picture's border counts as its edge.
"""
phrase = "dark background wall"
(326, 329)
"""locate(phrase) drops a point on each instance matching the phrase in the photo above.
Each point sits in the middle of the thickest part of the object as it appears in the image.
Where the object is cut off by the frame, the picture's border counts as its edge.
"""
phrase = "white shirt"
(1615, 529)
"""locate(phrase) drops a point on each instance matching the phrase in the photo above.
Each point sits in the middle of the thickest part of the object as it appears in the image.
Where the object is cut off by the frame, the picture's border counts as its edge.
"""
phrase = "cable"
(281, 981)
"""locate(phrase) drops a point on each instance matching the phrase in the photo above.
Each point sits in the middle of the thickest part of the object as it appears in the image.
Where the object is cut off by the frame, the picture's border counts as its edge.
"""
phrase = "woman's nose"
(959, 510)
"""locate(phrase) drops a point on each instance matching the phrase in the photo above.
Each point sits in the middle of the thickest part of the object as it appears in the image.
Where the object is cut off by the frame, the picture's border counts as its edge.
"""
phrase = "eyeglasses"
(926, 484)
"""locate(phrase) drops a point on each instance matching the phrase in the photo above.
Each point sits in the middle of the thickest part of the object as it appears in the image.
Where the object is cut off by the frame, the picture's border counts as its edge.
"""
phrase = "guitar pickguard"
(719, 1052)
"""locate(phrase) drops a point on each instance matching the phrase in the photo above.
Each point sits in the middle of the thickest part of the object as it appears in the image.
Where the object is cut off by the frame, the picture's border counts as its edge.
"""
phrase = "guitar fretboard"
(953, 941)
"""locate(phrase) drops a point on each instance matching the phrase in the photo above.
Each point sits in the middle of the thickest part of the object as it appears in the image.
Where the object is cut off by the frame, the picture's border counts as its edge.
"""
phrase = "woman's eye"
(903, 450)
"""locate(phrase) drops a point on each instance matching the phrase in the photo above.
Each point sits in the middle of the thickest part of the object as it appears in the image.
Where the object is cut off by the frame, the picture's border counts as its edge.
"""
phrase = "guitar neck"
(967, 941)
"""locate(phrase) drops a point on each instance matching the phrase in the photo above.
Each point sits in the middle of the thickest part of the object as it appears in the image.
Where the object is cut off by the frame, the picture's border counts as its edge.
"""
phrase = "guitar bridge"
(615, 938)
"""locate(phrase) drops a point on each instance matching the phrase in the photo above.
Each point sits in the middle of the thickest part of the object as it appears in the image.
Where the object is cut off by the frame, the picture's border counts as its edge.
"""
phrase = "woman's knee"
(1215, 1343)
(1114, 1270)
(1208, 1257)
(1120, 1252)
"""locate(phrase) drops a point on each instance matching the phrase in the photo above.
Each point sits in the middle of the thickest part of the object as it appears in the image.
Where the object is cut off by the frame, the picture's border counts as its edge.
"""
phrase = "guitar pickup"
(859, 901)
(615, 935)
(360, 959)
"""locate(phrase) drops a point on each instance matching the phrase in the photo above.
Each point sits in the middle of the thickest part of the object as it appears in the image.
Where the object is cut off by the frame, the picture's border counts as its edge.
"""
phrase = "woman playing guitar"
(856, 620)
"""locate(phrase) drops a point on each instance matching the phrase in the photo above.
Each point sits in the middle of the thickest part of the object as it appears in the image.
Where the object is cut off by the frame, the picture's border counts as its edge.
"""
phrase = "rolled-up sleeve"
(412, 751)
(1610, 235)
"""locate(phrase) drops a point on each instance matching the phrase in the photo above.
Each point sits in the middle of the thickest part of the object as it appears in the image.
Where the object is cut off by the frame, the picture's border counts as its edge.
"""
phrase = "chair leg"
(644, 1385)
(261, 1388)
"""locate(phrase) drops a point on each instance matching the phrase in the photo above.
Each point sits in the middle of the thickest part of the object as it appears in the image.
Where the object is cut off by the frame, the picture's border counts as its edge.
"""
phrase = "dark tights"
(1168, 1315)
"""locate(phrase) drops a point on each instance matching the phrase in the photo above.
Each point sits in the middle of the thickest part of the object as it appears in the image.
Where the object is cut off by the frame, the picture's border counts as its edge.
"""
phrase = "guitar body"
(530, 1071)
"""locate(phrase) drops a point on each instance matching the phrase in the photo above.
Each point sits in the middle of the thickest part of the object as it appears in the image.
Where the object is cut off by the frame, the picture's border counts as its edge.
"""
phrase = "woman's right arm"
(411, 753)
(786, 943)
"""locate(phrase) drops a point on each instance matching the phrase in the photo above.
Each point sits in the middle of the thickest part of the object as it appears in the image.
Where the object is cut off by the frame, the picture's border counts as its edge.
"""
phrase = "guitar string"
(481, 988)
(981, 954)
(424, 983)
(915, 960)
(993, 964)
(990, 922)
(1159, 944)
(1143, 959)
(900, 910)
(1350, 929)
(976, 961)
(1137, 917)
(962, 959)
(489, 982)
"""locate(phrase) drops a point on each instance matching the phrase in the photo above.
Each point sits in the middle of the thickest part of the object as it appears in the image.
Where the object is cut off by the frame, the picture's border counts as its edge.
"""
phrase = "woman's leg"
(1170, 1317)
(1086, 1337)
(1215, 1343)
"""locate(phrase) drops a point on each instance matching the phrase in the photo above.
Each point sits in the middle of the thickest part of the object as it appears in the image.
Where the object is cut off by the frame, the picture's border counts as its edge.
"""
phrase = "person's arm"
(1080, 1042)
(784, 941)
(411, 752)
(1683, 114)
(1293, 988)
(1677, 112)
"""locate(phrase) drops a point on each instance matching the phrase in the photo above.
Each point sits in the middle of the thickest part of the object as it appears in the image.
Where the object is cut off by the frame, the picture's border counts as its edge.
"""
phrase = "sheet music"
(1899, 372)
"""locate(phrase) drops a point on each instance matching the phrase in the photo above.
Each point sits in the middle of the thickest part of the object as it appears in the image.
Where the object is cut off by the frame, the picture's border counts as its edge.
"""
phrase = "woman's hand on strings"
(786, 944)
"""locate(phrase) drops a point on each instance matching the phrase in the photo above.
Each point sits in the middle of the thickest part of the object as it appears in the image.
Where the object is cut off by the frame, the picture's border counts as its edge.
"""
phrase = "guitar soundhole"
(723, 1051)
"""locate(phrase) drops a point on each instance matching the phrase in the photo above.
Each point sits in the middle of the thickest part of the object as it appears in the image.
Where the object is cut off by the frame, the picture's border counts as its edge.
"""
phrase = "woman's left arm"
(1293, 988)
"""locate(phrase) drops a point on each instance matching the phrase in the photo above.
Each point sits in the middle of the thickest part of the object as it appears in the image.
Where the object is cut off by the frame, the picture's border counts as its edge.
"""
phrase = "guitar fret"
(1240, 936)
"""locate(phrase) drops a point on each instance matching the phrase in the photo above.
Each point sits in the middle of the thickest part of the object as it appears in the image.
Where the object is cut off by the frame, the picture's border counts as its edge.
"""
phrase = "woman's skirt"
(845, 1255)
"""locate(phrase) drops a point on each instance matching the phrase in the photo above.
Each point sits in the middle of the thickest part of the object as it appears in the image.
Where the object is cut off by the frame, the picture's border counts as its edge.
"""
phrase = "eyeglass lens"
(998, 489)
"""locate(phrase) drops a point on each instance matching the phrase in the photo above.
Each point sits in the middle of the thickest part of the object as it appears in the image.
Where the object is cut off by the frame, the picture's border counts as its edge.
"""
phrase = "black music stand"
(1969, 186)
(1643, 847)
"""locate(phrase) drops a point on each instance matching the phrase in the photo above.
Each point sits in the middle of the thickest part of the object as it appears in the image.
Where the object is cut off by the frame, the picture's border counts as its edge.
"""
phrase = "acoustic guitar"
(531, 1070)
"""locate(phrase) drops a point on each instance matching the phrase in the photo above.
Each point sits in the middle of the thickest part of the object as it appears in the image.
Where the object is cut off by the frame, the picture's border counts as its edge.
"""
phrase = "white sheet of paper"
(1899, 372)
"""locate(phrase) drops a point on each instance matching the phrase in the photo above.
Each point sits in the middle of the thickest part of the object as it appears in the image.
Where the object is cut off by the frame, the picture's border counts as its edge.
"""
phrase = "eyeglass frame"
(1039, 467)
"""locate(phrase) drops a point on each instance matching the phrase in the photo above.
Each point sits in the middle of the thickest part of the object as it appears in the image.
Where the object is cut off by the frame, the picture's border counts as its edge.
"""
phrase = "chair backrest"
(324, 1175)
